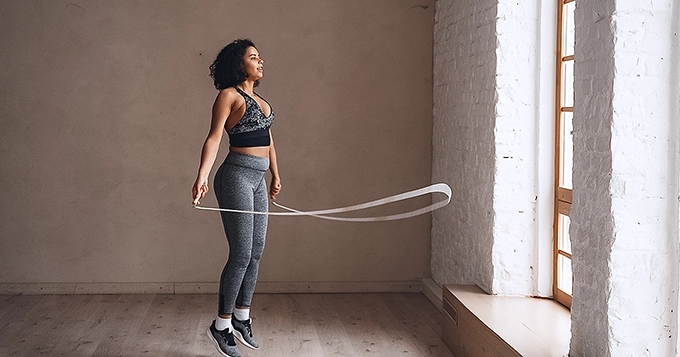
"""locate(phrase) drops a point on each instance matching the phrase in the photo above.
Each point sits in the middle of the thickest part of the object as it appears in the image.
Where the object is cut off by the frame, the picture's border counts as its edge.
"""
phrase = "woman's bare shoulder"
(230, 97)
(228, 94)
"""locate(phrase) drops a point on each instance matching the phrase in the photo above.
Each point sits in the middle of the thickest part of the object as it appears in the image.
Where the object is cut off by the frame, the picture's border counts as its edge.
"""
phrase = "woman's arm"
(275, 186)
(220, 112)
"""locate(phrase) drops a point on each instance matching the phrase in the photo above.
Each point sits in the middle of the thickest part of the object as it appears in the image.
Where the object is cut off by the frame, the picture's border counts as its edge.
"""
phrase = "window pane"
(564, 275)
(566, 150)
(568, 84)
(568, 47)
(563, 239)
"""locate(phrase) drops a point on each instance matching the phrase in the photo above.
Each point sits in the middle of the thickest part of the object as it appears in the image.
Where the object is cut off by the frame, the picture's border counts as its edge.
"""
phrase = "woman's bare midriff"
(261, 151)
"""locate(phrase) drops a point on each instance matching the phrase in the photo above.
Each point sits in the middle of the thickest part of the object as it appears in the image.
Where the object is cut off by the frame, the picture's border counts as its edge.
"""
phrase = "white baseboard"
(433, 292)
(207, 288)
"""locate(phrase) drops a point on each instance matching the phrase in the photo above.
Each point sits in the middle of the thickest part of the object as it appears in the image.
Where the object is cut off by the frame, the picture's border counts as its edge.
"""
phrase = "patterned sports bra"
(253, 128)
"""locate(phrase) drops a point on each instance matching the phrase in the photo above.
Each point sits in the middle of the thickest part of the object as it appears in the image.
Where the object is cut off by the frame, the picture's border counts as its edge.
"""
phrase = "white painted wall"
(524, 149)
(492, 142)
(488, 143)
(625, 213)
(591, 226)
(463, 140)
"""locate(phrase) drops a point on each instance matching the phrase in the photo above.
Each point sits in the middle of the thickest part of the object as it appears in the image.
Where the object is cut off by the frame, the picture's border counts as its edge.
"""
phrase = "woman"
(239, 184)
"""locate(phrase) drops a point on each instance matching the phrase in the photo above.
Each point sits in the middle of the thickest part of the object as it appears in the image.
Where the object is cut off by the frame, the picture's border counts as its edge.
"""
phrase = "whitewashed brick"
(626, 135)
(485, 144)
(625, 212)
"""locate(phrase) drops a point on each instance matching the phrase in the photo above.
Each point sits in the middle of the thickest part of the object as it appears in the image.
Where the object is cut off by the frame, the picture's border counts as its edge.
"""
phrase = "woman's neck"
(247, 86)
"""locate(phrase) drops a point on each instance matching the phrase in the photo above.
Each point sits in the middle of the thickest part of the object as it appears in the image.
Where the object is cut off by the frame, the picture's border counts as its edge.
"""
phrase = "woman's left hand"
(274, 188)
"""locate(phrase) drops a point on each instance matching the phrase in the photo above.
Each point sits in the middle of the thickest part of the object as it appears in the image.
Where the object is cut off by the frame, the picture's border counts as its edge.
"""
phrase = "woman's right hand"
(199, 190)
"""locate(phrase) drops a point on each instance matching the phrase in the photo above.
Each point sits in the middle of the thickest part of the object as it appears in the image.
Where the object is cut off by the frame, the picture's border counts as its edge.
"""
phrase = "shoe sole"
(217, 345)
(240, 338)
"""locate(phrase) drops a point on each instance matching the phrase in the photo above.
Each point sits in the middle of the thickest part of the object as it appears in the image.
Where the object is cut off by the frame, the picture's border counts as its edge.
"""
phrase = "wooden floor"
(174, 325)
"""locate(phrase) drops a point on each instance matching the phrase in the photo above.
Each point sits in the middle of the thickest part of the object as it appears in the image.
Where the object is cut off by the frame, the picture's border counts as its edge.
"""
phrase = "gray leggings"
(240, 184)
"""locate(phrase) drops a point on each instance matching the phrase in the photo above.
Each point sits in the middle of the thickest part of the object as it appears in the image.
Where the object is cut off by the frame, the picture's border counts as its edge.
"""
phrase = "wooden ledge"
(478, 324)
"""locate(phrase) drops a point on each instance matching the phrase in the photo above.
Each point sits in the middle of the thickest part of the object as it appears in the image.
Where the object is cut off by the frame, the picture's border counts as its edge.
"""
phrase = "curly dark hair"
(227, 70)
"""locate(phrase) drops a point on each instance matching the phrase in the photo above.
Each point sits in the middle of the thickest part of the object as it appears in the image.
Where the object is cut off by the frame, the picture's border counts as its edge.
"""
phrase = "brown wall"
(104, 106)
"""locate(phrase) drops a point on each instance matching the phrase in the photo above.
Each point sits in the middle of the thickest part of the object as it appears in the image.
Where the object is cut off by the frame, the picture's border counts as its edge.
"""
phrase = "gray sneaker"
(224, 340)
(244, 333)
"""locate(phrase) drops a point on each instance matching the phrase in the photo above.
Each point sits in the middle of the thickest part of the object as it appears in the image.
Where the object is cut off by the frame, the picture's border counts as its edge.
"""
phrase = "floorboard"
(317, 325)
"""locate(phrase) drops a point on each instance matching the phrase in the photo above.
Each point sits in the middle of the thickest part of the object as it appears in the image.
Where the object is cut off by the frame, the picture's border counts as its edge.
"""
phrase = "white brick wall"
(486, 141)
(463, 140)
(591, 225)
(516, 143)
(625, 211)
(488, 146)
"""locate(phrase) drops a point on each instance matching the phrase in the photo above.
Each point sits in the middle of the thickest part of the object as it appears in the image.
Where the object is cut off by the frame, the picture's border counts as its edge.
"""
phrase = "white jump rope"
(324, 214)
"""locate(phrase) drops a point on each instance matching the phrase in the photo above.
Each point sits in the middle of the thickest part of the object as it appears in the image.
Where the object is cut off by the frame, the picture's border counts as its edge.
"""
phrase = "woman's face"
(253, 64)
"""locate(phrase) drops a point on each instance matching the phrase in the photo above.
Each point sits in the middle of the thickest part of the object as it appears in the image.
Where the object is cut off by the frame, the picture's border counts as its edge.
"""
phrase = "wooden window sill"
(478, 324)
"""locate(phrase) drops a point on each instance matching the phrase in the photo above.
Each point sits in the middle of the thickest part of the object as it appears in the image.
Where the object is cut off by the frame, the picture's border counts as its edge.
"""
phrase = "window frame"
(563, 195)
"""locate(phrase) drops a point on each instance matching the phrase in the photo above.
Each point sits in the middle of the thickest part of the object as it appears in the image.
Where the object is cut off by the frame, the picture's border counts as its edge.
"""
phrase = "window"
(564, 149)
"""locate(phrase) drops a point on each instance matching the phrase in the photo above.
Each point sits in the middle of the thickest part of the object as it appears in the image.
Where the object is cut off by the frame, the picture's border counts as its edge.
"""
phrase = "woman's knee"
(241, 259)
(255, 255)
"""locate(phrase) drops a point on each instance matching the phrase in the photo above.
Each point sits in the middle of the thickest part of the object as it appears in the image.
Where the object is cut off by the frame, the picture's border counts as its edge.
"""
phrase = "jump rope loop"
(325, 214)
